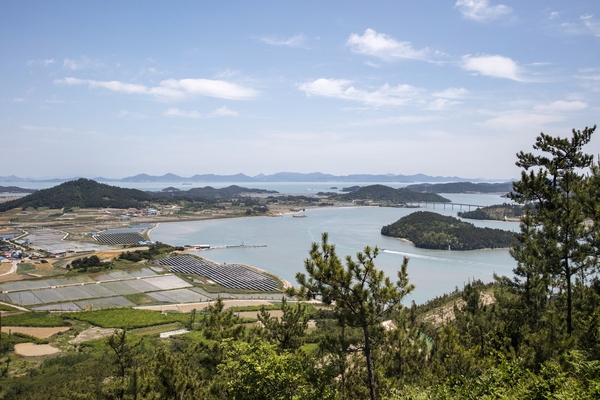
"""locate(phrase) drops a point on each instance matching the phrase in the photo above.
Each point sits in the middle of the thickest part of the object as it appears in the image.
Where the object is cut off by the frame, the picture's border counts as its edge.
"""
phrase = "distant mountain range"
(278, 177)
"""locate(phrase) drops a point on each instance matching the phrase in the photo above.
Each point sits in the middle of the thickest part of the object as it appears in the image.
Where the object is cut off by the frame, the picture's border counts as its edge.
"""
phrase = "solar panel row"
(120, 238)
(233, 276)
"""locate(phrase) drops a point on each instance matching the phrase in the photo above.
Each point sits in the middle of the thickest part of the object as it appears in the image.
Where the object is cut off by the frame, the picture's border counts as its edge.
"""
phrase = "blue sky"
(437, 87)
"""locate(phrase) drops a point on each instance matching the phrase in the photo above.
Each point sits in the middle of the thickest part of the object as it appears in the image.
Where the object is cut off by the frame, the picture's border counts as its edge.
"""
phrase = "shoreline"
(425, 248)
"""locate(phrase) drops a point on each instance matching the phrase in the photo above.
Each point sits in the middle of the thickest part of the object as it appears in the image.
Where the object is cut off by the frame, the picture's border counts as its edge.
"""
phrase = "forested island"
(430, 230)
(15, 189)
(462, 187)
(382, 193)
(497, 212)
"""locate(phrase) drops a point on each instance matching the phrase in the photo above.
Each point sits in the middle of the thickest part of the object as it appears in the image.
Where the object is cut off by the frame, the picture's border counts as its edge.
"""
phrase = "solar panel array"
(120, 238)
(234, 276)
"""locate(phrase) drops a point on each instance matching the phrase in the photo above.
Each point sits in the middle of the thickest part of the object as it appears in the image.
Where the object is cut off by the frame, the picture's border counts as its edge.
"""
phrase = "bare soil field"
(34, 350)
(40, 333)
(11, 277)
(5, 267)
(254, 314)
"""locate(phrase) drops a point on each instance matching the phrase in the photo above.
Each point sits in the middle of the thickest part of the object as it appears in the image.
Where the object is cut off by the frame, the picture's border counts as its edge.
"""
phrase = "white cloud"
(133, 114)
(19, 100)
(384, 46)
(35, 128)
(82, 63)
(227, 73)
(55, 101)
(522, 121)
(176, 112)
(43, 63)
(172, 88)
(223, 112)
(372, 64)
(451, 93)
(495, 66)
(294, 41)
(590, 24)
(562, 106)
(481, 10)
(589, 77)
(441, 104)
(585, 26)
(340, 88)
(401, 120)
(210, 88)
(553, 15)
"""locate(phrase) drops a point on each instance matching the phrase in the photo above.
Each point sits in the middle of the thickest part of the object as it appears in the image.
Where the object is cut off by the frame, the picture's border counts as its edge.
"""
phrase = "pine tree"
(362, 296)
(552, 249)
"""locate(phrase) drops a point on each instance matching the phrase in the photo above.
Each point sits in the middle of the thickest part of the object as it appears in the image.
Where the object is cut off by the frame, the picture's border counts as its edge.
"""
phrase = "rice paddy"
(100, 291)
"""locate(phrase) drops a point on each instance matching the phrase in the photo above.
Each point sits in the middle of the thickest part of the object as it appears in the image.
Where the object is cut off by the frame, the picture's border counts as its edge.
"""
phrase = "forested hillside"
(382, 193)
(462, 187)
(498, 212)
(14, 189)
(430, 230)
(86, 193)
(83, 193)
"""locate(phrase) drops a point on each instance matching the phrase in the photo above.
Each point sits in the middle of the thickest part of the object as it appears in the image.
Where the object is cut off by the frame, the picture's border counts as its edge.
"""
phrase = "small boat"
(299, 216)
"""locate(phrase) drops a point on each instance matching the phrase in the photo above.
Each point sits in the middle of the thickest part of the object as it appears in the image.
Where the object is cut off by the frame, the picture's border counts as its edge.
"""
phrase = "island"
(430, 230)
(497, 212)
(462, 187)
(386, 195)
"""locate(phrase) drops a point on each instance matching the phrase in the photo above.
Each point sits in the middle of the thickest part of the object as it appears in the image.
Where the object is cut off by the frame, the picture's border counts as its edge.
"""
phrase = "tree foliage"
(362, 295)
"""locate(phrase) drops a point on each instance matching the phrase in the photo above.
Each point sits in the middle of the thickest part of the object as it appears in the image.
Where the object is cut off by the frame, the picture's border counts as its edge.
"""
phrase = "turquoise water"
(288, 241)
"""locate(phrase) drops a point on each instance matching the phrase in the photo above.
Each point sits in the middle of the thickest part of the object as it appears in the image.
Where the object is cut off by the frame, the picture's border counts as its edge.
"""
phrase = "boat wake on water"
(442, 259)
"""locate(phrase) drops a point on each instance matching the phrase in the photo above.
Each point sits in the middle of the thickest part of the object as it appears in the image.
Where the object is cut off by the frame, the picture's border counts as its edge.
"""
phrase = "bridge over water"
(443, 205)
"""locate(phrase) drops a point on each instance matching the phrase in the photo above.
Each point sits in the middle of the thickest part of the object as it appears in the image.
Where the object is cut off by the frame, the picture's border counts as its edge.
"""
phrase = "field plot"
(120, 238)
(50, 296)
(105, 290)
(110, 302)
(167, 282)
(42, 333)
(24, 298)
(52, 240)
(58, 307)
(233, 276)
(181, 296)
(142, 285)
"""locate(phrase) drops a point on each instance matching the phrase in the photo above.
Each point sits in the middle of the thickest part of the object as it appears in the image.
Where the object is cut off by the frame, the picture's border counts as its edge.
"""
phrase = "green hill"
(430, 230)
(15, 189)
(382, 193)
(496, 212)
(83, 193)
(462, 187)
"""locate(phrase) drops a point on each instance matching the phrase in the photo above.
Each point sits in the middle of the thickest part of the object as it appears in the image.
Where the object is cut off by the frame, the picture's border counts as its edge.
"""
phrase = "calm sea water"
(288, 241)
